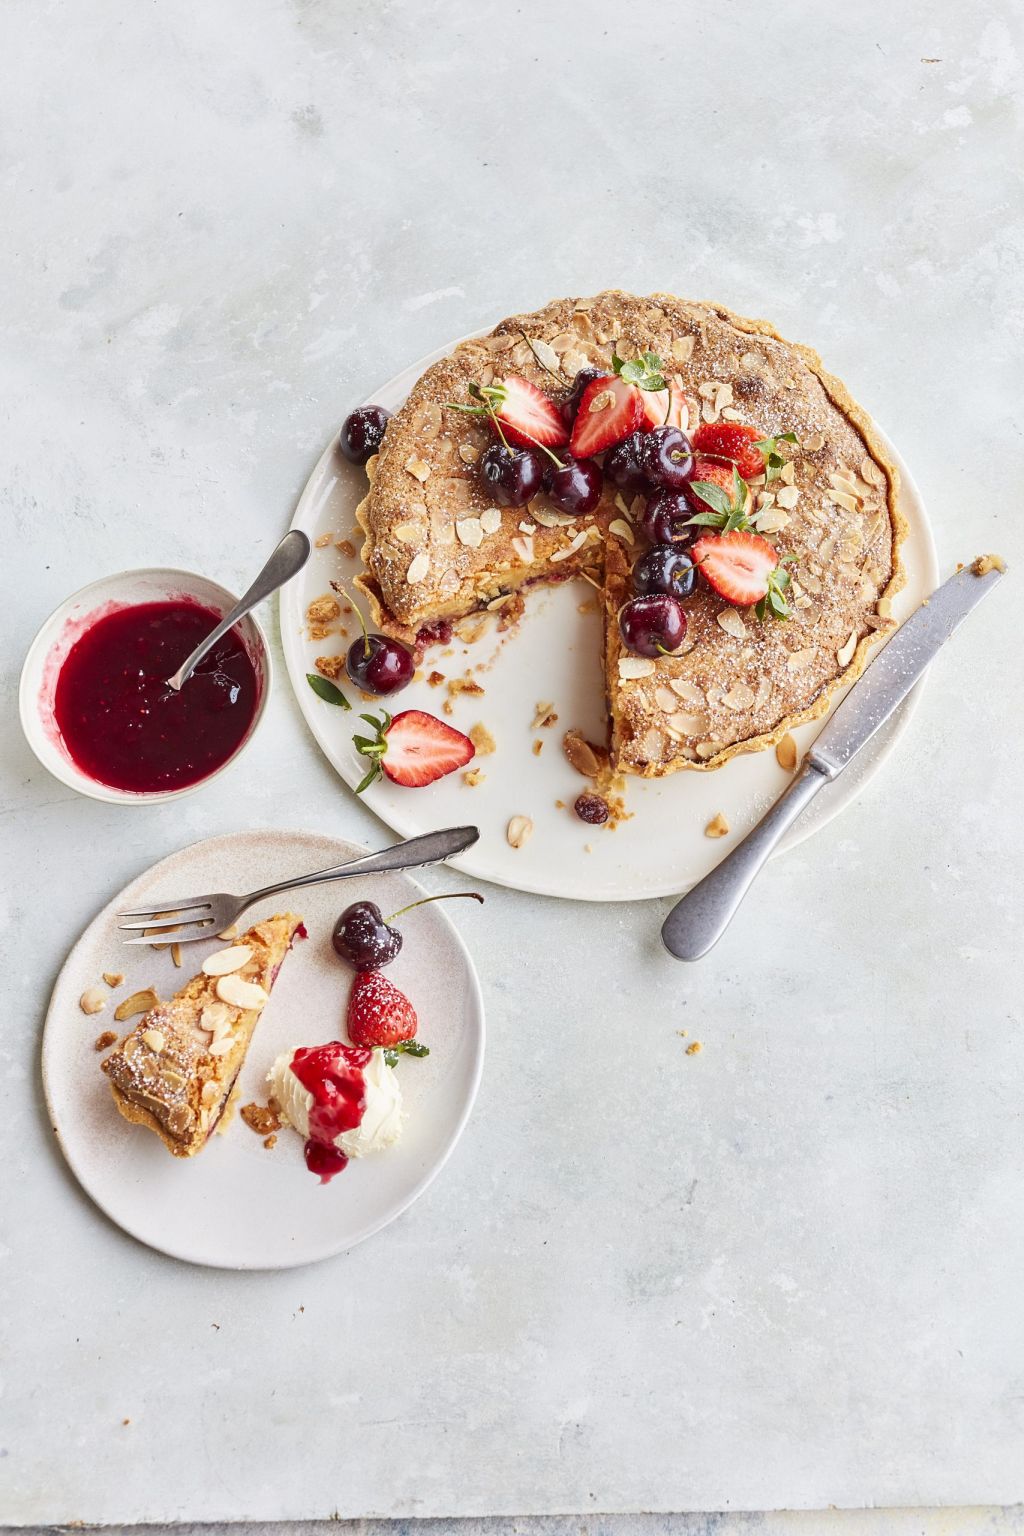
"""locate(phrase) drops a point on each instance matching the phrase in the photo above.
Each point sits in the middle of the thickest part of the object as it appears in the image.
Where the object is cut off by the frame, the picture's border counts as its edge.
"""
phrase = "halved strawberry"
(608, 412)
(715, 471)
(731, 440)
(665, 408)
(412, 749)
(378, 1013)
(527, 416)
(738, 566)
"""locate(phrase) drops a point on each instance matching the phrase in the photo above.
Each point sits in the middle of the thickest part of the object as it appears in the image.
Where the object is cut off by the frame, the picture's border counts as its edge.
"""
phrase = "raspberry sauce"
(333, 1074)
(124, 727)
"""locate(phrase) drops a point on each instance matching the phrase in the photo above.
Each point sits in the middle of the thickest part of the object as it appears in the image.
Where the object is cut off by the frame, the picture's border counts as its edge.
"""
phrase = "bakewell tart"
(174, 1072)
(725, 627)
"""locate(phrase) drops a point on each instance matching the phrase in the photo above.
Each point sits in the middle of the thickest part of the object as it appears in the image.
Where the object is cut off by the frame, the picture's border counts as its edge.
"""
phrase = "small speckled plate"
(238, 1205)
(555, 654)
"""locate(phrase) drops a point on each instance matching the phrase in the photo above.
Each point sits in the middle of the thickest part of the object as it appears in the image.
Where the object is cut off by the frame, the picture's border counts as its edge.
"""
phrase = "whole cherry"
(652, 626)
(665, 516)
(376, 663)
(368, 940)
(363, 432)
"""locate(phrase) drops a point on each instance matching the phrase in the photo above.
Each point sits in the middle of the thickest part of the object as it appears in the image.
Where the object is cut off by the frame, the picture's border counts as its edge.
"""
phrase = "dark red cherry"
(363, 432)
(569, 407)
(667, 457)
(513, 475)
(623, 464)
(363, 938)
(378, 664)
(576, 487)
(664, 568)
(650, 626)
(665, 516)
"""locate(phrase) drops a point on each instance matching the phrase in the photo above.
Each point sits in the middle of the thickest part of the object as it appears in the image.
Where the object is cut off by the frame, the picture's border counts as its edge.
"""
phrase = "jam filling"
(333, 1074)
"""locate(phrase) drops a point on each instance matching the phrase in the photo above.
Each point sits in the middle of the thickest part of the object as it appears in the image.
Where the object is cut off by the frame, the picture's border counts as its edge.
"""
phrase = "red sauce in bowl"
(120, 722)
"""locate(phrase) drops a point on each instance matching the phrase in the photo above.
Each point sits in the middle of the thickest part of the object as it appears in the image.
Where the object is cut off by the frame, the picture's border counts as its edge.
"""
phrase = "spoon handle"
(288, 558)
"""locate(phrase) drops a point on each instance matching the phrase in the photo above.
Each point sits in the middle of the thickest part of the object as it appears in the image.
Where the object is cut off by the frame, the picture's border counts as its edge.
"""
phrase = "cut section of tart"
(174, 1072)
(817, 494)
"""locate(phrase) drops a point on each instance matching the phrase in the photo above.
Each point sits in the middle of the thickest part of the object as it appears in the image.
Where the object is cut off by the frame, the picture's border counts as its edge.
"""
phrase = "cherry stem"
(362, 622)
(445, 896)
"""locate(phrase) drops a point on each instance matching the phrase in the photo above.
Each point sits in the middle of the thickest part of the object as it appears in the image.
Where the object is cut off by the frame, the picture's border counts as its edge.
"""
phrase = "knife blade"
(892, 673)
(697, 922)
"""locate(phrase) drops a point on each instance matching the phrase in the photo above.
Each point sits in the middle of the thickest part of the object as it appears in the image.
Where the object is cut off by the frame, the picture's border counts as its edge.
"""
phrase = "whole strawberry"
(378, 1013)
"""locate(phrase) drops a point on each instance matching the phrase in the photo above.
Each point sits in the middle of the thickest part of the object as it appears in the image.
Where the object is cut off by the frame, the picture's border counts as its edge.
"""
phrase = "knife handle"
(697, 922)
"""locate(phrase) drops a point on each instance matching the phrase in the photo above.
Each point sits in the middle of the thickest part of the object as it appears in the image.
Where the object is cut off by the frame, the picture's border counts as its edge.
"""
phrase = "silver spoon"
(288, 558)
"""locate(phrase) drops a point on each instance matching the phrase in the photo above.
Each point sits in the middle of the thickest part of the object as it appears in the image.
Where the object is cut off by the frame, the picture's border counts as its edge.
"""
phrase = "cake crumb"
(717, 826)
(270, 1143)
(467, 684)
(346, 548)
(986, 563)
(544, 715)
(482, 739)
(106, 1040)
(125, 1422)
(330, 666)
(693, 1049)
(261, 1118)
(323, 610)
(435, 679)
(323, 541)
(538, 748)
(113, 978)
(473, 777)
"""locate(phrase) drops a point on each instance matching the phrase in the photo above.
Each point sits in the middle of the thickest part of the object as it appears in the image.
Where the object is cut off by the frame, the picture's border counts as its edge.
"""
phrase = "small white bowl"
(70, 621)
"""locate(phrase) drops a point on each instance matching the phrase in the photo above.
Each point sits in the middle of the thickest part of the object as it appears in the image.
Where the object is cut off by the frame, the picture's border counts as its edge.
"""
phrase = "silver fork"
(200, 917)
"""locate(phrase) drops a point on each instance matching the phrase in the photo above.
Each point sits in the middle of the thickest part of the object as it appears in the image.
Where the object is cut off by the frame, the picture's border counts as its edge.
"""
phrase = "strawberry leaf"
(645, 371)
(405, 1048)
(727, 515)
(324, 689)
(773, 460)
(373, 747)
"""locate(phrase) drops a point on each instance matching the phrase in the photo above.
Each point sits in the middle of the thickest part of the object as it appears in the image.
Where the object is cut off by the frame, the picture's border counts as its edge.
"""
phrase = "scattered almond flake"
(707, 390)
(406, 533)
(92, 1000)
(473, 777)
(787, 474)
(723, 396)
(841, 480)
(802, 602)
(811, 582)
(651, 746)
(527, 527)
(785, 753)
(239, 993)
(708, 749)
(448, 584)
(602, 400)
(581, 754)
(549, 518)
(739, 696)
(524, 549)
(347, 548)
(841, 499)
(113, 978)
(538, 747)
(772, 520)
(418, 468)
(220, 1047)
(871, 472)
(176, 954)
(519, 829)
(544, 714)
(419, 565)
(469, 531)
(731, 622)
(544, 353)
(686, 723)
(798, 660)
(687, 691)
(562, 342)
(323, 541)
(467, 684)
(844, 655)
(764, 693)
(482, 739)
(468, 453)
(621, 530)
(155, 1039)
(682, 348)
(666, 699)
(217, 1018)
(812, 442)
(765, 499)
(323, 610)
(230, 932)
(717, 826)
(490, 519)
(635, 666)
(499, 602)
(139, 1002)
(884, 604)
(729, 414)
(788, 497)
(223, 961)
(571, 548)
(426, 423)
(827, 549)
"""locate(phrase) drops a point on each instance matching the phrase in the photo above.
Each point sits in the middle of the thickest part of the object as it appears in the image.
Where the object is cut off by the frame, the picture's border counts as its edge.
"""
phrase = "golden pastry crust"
(435, 547)
(163, 1075)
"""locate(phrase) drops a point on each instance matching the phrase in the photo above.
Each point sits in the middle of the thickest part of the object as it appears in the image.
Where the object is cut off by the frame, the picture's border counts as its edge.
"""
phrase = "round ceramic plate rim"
(49, 1046)
(291, 626)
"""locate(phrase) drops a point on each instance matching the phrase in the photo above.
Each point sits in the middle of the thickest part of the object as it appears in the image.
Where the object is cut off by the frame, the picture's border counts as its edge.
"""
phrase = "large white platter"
(237, 1204)
(555, 654)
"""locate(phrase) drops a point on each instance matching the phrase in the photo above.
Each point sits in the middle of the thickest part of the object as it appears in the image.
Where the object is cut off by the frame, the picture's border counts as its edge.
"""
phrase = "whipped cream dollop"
(340, 1096)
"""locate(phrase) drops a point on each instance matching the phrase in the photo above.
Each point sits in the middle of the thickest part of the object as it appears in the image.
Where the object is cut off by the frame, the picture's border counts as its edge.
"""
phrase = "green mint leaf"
(325, 689)
(712, 495)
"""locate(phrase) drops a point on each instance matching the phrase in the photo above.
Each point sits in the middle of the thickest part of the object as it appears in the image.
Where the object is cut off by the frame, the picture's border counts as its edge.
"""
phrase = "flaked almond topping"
(371, 467)
(785, 753)
(241, 994)
(549, 518)
(545, 354)
(871, 472)
(717, 826)
(527, 527)
(490, 519)
(581, 755)
(210, 1092)
(468, 453)
(841, 499)
(798, 660)
(139, 1002)
(469, 531)
(731, 622)
(223, 961)
(323, 541)
(739, 696)
(524, 548)
(812, 442)
(884, 604)
(418, 468)
(787, 474)
(220, 1047)
(571, 548)
(448, 583)
(419, 565)
(764, 693)
(621, 530)
(176, 954)
(217, 1018)
(731, 414)
(155, 1039)
(426, 421)
(92, 1000)
(651, 746)
(519, 829)
(406, 533)
(844, 655)
(230, 932)
(635, 666)
(787, 497)
(620, 504)
(687, 723)
(601, 401)
(113, 978)
(772, 520)
(687, 691)
(682, 348)
(666, 699)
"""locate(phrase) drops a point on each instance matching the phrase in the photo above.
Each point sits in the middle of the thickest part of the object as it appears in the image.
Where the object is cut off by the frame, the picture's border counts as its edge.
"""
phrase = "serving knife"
(698, 921)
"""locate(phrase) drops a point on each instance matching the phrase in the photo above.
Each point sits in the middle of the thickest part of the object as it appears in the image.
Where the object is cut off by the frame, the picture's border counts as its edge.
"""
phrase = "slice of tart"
(174, 1072)
(437, 547)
